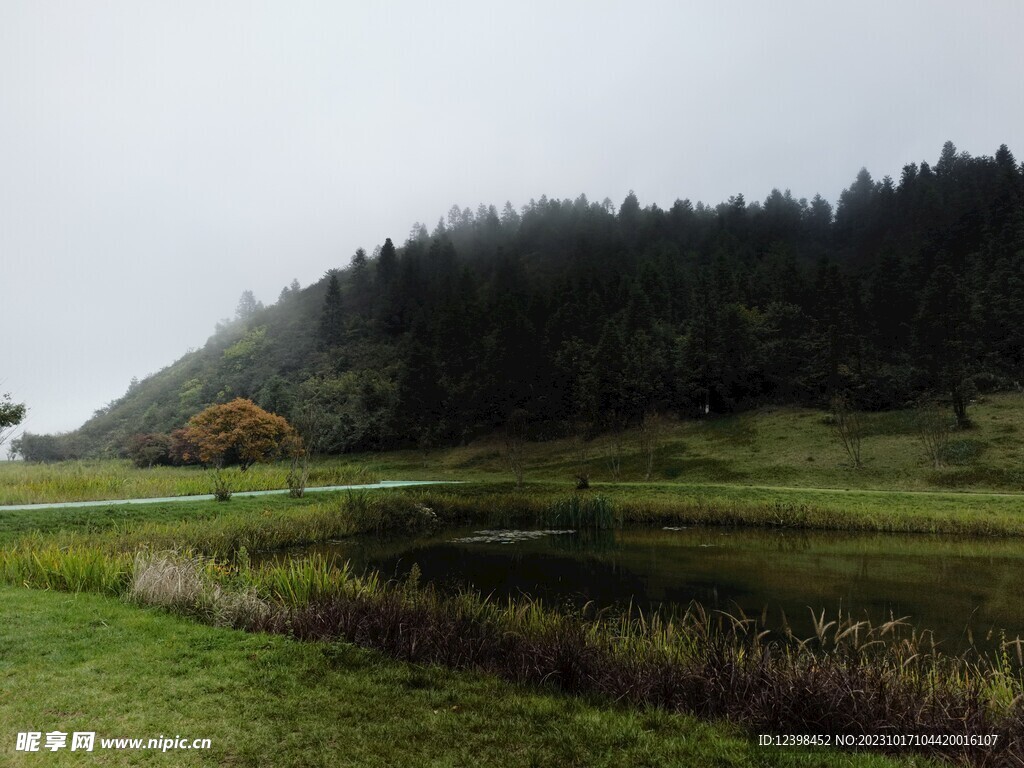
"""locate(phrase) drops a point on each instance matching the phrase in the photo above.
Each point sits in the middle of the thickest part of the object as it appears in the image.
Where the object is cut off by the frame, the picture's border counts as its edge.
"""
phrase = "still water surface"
(958, 588)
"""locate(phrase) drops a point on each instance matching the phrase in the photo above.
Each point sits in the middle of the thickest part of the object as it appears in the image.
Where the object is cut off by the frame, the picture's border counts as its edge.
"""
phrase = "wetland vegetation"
(840, 673)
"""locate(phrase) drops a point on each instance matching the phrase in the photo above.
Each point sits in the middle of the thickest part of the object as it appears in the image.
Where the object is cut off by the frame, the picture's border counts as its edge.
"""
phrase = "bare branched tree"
(933, 428)
(515, 443)
(614, 454)
(848, 425)
(651, 431)
(615, 445)
(581, 452)
(309, 422)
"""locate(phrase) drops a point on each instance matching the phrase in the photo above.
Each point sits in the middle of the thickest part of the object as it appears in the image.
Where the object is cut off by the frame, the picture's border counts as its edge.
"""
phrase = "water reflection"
(953, 586)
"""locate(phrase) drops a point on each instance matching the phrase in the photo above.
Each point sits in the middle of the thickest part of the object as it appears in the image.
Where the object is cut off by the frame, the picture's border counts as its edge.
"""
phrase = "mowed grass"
(89, 663)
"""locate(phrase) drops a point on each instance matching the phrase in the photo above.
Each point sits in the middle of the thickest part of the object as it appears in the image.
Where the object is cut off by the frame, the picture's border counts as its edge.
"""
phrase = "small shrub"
(515, 442)
(849, 427)
(221, 486)
(298, 476)
(933, 428)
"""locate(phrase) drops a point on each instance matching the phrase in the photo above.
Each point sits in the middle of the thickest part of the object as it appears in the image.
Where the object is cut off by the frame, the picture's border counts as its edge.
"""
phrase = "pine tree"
(387, 264)
(943, 335)
(247, 306)
(332, 316)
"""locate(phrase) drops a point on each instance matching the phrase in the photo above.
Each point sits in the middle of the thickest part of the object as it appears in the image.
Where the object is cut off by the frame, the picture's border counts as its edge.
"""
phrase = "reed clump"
(188, 584)
(578, 511)
(65, 569)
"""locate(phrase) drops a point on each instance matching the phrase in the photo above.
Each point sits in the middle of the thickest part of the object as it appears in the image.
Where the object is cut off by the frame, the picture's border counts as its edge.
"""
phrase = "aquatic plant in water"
(506, 536)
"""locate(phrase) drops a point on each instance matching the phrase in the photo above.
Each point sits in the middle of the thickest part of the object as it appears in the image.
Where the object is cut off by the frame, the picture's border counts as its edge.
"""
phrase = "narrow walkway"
(209, 496)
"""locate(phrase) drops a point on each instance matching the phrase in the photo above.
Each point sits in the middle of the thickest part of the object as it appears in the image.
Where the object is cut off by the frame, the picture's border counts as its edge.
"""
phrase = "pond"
(962, 589)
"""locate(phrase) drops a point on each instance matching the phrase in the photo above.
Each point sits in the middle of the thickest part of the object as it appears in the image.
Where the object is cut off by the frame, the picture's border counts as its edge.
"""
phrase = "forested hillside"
(586, 316)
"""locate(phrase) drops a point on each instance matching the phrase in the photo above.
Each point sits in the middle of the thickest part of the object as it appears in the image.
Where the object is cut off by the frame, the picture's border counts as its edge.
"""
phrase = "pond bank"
(959, 588)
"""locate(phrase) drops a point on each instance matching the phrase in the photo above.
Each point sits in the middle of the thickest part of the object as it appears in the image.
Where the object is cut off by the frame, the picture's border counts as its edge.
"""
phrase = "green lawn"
(88, 663)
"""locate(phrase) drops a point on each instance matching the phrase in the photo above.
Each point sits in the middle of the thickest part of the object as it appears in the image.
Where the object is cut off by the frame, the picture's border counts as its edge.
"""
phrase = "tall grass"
(302, 582)
(273, 527)
(22, 483)
(228, 533)
(189, 585)
(377, 514)
(578, 511)
(67, 569)
(717, 506)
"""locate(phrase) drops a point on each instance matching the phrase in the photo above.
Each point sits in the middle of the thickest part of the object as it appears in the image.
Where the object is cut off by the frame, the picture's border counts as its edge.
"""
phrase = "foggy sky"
(157, 159)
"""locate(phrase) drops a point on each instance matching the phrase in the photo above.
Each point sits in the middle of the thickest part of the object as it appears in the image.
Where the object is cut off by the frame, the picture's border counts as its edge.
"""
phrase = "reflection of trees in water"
(586, 541)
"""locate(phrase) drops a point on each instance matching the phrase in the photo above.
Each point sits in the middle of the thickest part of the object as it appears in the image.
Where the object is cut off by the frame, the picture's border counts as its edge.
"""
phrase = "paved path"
(209, 496)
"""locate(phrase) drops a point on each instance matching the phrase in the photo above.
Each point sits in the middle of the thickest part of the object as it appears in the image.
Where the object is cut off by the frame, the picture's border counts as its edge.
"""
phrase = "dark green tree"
(387, 264)
(332, 316)
(944, 326)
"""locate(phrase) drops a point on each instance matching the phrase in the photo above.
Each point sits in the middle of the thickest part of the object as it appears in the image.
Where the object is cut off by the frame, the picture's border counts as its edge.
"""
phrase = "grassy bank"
(665, 503)
(353, 706)
(849, 678)
(83, 663)
(781, 446)
(268, 522)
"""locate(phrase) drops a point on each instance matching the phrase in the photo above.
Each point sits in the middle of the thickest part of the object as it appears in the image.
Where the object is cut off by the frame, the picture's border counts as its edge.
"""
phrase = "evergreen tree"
(247, 307)
(332, 316)
(944, 337)
(387, 264)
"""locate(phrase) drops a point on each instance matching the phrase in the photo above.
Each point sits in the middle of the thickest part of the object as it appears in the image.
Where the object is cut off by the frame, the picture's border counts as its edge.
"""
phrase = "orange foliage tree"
(239, 432)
